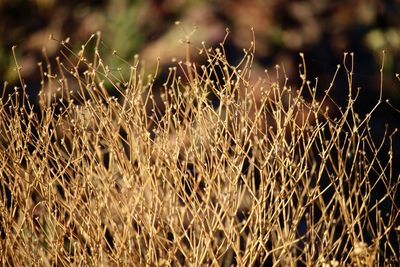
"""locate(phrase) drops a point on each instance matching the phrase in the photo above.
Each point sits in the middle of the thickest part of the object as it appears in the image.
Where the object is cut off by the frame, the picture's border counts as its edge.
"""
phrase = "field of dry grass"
(195, 170)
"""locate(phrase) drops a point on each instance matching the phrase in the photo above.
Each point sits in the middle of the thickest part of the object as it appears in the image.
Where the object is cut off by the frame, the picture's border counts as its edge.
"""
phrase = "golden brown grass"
(161, 176)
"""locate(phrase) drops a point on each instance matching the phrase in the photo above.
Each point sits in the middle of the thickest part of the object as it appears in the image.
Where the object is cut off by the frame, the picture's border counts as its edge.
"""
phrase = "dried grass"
(161, 176)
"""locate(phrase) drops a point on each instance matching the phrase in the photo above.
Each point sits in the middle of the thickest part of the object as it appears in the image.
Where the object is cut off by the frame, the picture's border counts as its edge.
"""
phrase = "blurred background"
(322, 29)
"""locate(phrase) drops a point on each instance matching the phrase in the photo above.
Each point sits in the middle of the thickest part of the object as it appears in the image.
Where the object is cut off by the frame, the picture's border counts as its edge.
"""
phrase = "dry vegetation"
(165, 175)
